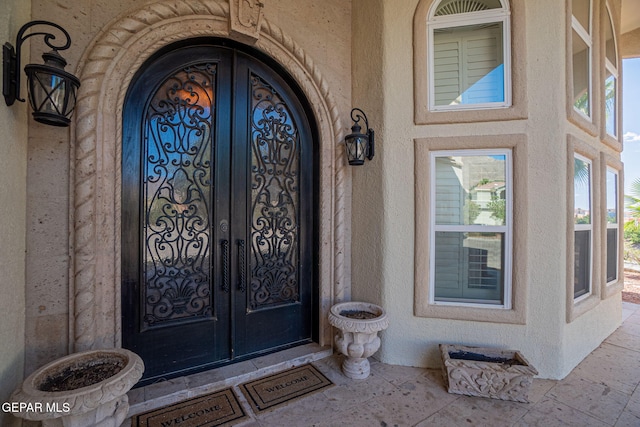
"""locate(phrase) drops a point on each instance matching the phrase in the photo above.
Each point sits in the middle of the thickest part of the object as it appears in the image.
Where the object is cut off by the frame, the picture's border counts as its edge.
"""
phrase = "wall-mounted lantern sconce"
(52, 91)
(359, 145)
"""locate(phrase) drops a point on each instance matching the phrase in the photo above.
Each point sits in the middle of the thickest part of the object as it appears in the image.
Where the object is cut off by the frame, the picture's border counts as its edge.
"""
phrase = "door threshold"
(154, 396)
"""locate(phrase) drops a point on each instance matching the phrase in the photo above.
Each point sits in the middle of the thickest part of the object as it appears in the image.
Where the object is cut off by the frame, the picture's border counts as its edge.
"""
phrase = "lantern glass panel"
(356, 149)
(48, 92)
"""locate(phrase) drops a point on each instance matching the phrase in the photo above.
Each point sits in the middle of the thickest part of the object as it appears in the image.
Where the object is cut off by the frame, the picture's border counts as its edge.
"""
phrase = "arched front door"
(217, 211)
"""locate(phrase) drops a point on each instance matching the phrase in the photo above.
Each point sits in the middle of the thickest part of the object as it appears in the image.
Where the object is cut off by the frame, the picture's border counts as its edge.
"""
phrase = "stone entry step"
(161, 394)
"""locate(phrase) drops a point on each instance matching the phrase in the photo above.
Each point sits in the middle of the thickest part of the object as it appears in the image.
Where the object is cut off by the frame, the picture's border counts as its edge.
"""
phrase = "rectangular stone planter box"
(487, 372)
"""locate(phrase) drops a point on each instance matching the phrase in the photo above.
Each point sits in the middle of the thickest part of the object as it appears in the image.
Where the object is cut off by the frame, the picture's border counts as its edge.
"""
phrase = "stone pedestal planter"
(357, 338)
(81, 390)
(487, 372)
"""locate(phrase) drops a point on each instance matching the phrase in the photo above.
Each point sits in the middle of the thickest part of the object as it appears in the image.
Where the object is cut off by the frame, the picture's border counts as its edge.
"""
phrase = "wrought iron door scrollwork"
(176, 186)
(275, 158)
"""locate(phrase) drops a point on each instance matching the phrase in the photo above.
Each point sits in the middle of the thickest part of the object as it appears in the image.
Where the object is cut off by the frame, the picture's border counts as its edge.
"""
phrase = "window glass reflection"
(582, 191)
(471, 190)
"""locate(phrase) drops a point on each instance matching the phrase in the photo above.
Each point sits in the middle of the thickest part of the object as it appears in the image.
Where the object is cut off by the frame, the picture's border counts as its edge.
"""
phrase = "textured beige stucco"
(13, 176)
(630, 44)
(47, 264)
(385, 210)
(366, 60)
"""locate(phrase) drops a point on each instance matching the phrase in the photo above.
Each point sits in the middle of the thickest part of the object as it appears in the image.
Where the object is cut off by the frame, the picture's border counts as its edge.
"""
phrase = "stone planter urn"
(81, 390)
(357, 338)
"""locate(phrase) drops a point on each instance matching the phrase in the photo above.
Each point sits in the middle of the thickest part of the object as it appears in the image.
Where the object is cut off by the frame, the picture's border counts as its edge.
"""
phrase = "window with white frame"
(581, 48)
(471, 227)
(583, 226)
(611, 77)
(469, 55)
(612, 225)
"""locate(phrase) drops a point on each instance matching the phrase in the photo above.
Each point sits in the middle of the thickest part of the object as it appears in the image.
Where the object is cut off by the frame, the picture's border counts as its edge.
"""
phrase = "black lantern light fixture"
(52, 90)
(358, 144)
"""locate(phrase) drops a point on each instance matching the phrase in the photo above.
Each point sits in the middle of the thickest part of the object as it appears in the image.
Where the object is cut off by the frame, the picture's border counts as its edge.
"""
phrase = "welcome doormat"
(211, 410)
(284, 387)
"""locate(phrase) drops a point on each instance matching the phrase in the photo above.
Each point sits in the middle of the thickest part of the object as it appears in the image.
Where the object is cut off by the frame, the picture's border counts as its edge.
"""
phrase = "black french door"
(217, 212)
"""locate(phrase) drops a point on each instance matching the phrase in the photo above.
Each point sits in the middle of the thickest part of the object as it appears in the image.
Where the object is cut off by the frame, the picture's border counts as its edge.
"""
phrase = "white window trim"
(483, 17)
(586, 36)
(507, 229)
(613, 69)
(584, 33)
(615, 225)
(586, 227)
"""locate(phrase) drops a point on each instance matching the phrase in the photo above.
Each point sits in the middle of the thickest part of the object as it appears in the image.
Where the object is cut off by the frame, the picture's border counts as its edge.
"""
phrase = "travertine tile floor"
(602, 391)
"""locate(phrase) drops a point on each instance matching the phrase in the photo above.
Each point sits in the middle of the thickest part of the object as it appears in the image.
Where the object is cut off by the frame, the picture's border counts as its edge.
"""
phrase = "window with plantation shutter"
(447, 73)
(471, 227)
(468, 67)
(470, 64)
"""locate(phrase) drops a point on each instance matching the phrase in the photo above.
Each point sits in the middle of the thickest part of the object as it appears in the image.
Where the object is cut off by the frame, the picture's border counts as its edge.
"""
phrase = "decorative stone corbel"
(245, 19)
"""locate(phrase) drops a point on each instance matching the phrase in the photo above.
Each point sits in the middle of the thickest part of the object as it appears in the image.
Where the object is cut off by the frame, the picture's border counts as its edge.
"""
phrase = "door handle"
(242, 285)
(224, 244)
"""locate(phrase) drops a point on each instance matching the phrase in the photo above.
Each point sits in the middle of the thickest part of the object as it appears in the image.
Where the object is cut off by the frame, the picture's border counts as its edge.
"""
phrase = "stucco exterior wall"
(13, 176)
(50, 301)
(47, 264)
(367, 61)
(630, 44)
(369, 94)
(384, 205)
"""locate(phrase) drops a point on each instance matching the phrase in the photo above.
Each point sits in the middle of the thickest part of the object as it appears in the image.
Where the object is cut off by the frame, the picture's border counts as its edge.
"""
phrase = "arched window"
(611, 77)
(469, 54)
(581, 46)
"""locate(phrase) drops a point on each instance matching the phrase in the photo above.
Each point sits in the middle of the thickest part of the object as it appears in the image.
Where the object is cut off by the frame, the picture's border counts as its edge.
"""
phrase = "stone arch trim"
(106, 70)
